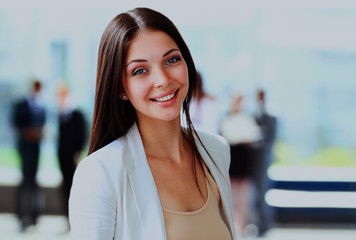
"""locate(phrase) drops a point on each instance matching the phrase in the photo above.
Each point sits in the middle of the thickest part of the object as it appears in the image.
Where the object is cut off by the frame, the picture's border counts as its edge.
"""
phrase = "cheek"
(182, 75)
(185, 77)
(137, 91)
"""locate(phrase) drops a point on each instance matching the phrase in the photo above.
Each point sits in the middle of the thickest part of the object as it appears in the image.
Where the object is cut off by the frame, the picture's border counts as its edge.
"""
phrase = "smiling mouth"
(165, 98)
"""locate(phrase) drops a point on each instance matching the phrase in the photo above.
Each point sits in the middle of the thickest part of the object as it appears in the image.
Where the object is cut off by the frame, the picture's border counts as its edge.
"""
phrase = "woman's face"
(155, 76)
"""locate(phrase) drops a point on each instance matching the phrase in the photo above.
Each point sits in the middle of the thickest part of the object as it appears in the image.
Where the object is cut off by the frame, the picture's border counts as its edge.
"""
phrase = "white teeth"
(165, 98)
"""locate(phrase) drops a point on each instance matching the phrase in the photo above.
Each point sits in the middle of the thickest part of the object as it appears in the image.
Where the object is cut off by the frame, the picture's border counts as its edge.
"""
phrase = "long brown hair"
(113, 116)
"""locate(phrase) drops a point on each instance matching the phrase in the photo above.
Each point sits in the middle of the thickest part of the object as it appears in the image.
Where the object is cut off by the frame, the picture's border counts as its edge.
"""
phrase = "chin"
(168, 118)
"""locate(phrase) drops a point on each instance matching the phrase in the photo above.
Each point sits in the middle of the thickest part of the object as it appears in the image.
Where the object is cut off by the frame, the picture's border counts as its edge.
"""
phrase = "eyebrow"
(144, 60)
(172, 50)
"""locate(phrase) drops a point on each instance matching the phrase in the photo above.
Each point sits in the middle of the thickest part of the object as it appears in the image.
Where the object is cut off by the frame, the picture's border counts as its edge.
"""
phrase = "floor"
(55, 228)
(48, 227)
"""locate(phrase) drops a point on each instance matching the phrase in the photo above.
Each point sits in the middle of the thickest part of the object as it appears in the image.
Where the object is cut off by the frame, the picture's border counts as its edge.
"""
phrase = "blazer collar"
(144, 190)
(220, 180)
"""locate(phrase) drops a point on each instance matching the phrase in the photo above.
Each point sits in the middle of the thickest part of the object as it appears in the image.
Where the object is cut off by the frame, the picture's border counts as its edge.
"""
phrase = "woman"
(146, 177)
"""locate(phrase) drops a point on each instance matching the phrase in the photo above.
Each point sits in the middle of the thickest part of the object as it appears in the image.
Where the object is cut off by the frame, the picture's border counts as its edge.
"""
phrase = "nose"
(161, 78)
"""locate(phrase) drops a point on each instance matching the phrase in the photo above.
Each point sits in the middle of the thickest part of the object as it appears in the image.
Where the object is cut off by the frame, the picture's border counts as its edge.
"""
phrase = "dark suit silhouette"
(29, 119)
(268, 125)
(72, 138)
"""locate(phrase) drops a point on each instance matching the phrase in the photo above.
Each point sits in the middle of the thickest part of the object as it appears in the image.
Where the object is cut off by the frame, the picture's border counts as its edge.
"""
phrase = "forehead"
(149, 43)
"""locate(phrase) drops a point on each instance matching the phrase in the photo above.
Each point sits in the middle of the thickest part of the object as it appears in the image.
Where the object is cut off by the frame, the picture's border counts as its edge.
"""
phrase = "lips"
(166, 97)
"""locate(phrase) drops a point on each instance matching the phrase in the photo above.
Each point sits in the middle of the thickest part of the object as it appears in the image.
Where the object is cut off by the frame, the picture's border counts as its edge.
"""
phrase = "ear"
(123, 96)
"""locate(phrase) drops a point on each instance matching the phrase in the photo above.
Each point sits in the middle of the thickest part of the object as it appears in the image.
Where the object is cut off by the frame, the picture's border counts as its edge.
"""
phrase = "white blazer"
(114, 195)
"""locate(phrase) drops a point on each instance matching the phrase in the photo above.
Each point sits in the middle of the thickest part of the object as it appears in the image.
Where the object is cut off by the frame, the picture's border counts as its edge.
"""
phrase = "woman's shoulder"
(218, 148)
(110, 158)
(212, 140)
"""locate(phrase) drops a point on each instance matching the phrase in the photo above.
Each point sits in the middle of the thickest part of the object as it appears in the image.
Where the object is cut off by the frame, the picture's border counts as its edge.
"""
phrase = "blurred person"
(268, 125)
(29, 118)
(243, 134)
(71, 139)
(204, 110)
(146, 176)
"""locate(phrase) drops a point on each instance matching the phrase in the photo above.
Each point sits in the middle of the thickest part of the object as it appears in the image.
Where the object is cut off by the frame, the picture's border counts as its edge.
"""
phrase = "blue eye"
(139, 71)
(173, 60)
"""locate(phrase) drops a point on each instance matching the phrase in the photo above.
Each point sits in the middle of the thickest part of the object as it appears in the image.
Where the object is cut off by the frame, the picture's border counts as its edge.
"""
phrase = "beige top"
(202, 224)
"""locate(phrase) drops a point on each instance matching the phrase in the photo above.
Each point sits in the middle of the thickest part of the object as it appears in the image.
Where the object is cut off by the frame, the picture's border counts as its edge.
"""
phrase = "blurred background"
(304, 59)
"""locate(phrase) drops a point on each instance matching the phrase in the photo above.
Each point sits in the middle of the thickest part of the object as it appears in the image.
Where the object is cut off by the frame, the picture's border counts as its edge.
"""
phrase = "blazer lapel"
(223, 186)
(144, 190)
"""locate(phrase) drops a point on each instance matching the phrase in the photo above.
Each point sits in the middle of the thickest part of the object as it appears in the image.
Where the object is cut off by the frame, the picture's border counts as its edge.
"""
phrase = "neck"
(163, 139)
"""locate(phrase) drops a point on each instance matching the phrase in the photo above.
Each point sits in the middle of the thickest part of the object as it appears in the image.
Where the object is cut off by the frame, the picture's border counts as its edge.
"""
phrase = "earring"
(124, 97)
